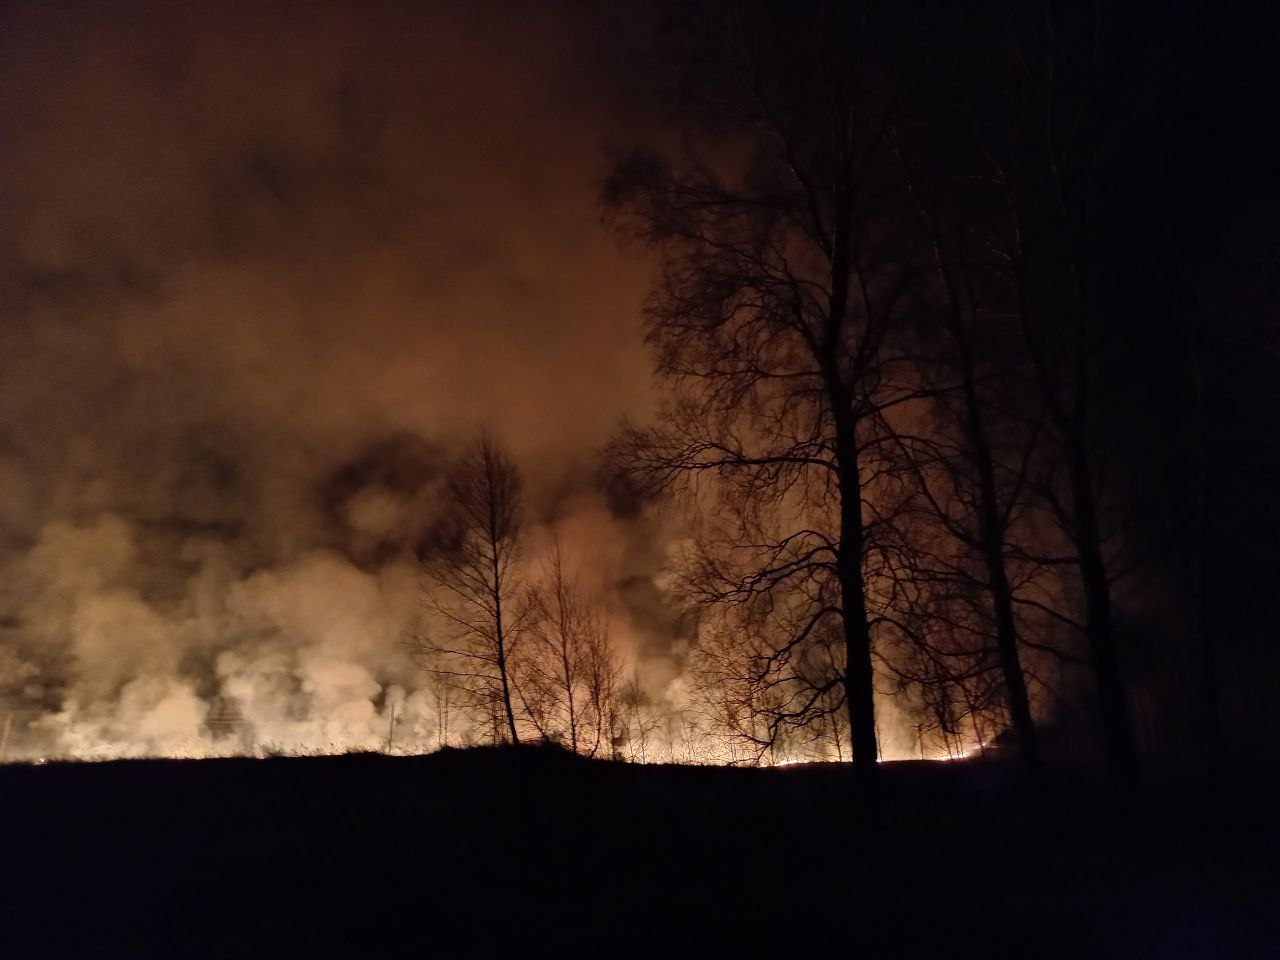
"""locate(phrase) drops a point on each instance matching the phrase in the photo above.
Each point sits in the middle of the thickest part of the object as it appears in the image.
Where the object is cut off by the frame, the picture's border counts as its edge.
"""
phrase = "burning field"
(545, 477)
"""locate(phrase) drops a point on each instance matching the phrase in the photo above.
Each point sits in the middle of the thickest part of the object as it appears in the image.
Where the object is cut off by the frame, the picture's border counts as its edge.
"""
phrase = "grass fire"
(667, 478)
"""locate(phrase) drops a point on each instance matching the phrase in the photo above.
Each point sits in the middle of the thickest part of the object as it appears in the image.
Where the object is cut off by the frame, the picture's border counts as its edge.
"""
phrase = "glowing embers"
(970, 754)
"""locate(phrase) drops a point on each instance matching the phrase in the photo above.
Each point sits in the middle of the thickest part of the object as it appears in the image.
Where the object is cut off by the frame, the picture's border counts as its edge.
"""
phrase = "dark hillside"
(535, 853)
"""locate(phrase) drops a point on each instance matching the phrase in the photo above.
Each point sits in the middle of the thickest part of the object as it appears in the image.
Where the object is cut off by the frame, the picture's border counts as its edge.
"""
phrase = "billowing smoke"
(131, 638)
(126, 640)
(262, 273)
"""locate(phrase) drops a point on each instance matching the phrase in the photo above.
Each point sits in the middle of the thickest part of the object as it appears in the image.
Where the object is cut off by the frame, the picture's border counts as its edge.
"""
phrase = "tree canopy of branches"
(570, 672)
(782, 280)
(474, 590)
(919, 363)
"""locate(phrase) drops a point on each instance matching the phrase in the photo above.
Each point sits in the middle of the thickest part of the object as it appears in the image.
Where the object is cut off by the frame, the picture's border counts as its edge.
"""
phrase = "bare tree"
(772, 321)
(602, 675)
(973, 467)
(570, 674)
(473, 586)
(635, 721)
(442, 693)
(1042, 162)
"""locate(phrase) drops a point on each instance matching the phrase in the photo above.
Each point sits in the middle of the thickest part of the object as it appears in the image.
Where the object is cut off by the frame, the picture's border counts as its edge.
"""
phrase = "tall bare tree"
(1043, 160)
(473, 586)
(772, 321)
(973, 465)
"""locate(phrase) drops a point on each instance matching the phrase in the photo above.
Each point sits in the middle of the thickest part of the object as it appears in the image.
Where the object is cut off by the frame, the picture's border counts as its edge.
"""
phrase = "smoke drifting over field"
(262, 273)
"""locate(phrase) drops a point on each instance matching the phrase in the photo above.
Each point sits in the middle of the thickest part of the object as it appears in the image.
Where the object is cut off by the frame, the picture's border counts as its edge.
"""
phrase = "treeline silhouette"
(970, 362)
(969, 347)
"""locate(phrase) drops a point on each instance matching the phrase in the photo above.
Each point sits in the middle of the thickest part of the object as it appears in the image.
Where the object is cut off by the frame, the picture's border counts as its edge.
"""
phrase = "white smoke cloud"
(301, 656)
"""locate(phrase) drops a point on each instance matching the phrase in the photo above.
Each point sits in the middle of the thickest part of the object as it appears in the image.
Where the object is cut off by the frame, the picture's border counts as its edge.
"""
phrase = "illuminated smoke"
(261, 275)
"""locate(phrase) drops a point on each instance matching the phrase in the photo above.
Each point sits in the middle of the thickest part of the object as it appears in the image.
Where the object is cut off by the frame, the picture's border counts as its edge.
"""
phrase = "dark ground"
(535, 853)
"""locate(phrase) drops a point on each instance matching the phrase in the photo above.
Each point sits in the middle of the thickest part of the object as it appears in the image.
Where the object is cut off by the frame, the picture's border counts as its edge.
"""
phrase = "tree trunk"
(859, 680)
(503, 673)
(1122, 756)
(860, 685)
(1070, 422)
(502, 653)
(991, 533)
(506, 681)
(568, 691)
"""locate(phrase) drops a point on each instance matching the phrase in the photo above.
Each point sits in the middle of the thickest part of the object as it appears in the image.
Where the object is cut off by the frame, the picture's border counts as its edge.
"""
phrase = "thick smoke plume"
(262, 273)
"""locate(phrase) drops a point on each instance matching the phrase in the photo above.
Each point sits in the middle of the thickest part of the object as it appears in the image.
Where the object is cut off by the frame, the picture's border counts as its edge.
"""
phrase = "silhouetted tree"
(473, 586)
(1225, 351)
(1050, 133)
(759, 703)
(782, 278)
(635, 721)
(973, 467)
(570, 671)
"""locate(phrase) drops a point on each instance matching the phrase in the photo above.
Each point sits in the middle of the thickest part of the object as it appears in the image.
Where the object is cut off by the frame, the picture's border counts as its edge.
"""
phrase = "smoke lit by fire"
(258, 300)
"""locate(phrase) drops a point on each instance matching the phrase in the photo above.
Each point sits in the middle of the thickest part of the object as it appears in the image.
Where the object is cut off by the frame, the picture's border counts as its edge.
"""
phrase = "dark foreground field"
(532, 853)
